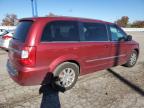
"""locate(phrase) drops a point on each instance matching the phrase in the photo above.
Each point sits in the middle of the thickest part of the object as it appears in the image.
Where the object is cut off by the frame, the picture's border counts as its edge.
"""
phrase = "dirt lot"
(119, 87)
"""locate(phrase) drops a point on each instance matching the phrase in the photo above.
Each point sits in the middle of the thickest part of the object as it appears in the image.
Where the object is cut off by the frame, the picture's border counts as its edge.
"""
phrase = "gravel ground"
(118, 87)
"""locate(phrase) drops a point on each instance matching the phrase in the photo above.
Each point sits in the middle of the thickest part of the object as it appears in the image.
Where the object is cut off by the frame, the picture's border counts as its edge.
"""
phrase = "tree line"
(124, 22)
(12, 20)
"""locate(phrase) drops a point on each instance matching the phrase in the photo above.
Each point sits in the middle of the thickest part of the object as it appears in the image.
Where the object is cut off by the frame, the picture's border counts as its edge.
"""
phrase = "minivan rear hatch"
(22, 30)
(18, 43)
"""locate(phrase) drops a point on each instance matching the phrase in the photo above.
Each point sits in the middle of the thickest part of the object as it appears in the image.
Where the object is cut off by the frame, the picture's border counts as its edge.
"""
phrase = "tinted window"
(116, 33)
(61, 31)
(22, 30)
(95, 32)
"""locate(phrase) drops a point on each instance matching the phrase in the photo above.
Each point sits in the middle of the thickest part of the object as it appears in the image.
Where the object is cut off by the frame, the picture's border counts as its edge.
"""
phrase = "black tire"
(129, 62)
(63, 67)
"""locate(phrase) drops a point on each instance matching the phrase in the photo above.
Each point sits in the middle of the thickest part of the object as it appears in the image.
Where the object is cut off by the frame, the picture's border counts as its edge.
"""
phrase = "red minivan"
(66, 47)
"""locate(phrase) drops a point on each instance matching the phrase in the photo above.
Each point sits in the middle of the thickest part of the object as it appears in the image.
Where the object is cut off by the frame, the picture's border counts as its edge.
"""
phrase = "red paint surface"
(48, 55)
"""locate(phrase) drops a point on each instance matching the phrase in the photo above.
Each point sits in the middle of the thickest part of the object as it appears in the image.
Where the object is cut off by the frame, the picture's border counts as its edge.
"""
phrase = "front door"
(118, 45)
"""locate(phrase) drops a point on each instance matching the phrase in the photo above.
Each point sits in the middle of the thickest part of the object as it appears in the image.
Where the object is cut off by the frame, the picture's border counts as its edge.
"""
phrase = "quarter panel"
(51, 54)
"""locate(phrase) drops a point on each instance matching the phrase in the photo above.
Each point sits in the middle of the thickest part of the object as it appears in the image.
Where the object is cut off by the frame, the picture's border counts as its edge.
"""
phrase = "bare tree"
(10, 20)
(123, 22)
(51, 14)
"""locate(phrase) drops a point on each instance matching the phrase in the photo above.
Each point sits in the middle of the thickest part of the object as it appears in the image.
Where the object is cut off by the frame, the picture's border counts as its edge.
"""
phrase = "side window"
(60, 31)
(95, 32)
(116, 33)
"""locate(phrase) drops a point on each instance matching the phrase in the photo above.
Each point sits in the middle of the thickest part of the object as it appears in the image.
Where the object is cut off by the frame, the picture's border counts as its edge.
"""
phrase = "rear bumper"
(27, 76)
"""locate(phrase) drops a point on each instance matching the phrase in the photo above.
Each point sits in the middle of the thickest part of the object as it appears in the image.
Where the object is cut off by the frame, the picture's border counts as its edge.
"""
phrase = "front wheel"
(67, 75)
(132, 59)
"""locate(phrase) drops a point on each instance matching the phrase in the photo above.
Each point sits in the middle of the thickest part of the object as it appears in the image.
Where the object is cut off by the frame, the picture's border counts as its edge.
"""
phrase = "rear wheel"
(67, 75)
(132, 59)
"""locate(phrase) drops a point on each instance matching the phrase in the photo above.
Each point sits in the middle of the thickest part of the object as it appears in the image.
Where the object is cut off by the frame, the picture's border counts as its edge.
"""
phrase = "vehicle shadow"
(127, 82)
(50, 92)
(117, 46)
(122, 79)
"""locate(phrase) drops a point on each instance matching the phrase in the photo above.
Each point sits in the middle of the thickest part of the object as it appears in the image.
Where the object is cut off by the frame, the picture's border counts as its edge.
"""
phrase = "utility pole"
(34, 8)
(35, 4)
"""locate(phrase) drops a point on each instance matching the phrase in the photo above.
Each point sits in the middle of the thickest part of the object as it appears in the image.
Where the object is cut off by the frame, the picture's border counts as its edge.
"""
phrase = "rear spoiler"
(27, 19)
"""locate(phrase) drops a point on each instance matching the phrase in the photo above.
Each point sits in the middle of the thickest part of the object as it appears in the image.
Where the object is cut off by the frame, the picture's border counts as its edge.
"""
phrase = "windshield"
(22, 30)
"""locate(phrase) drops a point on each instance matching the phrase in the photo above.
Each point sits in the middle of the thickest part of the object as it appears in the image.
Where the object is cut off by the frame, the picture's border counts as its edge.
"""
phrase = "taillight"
(5, 37)
(28, 56)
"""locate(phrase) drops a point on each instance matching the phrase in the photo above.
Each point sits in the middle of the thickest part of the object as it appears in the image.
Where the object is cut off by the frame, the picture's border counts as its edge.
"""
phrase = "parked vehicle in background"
(66, 47)
(5, 38)
(2, 31)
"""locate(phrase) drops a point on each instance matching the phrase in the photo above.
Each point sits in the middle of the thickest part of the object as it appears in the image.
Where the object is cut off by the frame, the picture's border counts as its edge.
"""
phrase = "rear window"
(22, 30)
(60, 31)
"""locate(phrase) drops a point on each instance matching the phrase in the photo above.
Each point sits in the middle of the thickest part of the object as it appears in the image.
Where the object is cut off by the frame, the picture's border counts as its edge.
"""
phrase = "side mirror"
(129, 38)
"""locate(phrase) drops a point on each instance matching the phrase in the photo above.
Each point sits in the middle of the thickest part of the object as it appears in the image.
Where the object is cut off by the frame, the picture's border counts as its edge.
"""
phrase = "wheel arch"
(137, 50)
(58, 61)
